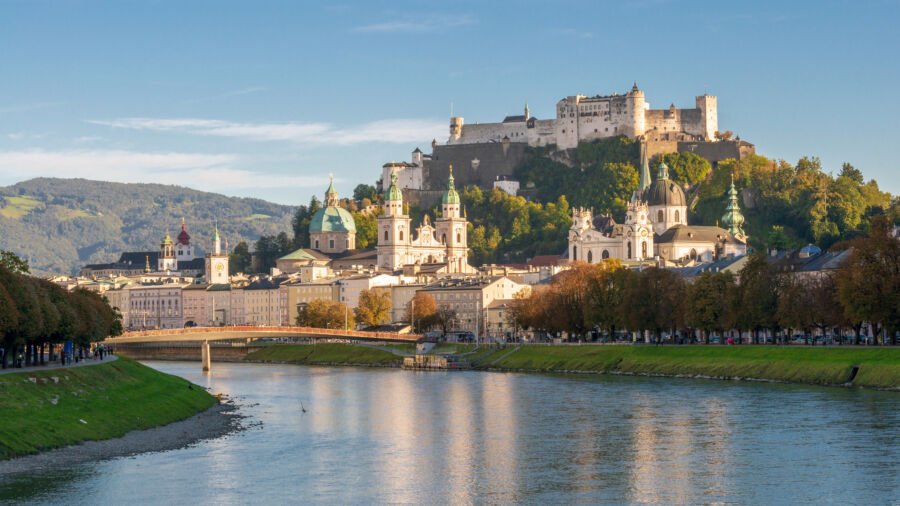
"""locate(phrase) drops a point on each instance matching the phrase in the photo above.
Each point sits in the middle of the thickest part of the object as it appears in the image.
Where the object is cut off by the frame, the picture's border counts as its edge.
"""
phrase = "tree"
(366, 229)
(13, 263)
(686, 167)
(326, 314)
(868, 283)
(301, 220)
(708, 305)
(421, 311)
(446, 319)
(373, 309)
(758, 295)
(364, 191)
(604, 294)
(9, 321)
(240, 259)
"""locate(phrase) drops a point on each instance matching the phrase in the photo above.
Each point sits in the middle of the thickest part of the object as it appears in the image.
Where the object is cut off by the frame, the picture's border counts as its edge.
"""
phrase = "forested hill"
(61, 224)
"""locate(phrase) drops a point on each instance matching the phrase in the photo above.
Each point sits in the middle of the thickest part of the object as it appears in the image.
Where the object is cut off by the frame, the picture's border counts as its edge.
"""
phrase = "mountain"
(61, 224)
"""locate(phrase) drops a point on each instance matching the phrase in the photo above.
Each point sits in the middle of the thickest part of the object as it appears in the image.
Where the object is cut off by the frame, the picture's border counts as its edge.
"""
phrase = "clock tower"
(217, 263)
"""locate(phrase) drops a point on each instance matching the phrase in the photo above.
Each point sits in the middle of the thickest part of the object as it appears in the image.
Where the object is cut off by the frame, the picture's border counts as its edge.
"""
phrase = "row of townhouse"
(270, 301)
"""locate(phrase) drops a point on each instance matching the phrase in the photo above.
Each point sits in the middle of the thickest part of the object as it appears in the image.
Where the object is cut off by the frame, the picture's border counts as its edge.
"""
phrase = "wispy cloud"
(390, 130)
(28, 107)
(228, 94)
(425, 23)
(198, 170)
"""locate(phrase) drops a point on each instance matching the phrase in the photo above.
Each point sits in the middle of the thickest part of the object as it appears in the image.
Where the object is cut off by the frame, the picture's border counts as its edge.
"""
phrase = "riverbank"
(325, 354)
(877, 367)
(44, 410)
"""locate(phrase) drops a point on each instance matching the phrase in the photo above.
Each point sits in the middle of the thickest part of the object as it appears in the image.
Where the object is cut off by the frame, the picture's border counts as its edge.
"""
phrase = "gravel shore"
(215, 422)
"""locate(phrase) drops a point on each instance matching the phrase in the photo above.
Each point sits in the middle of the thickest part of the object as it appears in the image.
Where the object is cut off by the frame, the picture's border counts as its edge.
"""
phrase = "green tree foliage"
(240, 259)
(326, 314)
(34, 313)
(366, 229)
(12, 262)
(708, 307)
(503, 228)
(365, 191)
(301, 220)
(686, 167)
(374, 308)
(270, 248)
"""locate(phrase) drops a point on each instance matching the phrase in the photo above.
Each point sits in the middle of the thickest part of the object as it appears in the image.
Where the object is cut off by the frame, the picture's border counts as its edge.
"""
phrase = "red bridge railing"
(392, 336)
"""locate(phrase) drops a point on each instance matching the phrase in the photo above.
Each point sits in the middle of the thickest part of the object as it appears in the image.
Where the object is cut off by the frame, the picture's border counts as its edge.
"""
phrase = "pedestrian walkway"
(55, 365)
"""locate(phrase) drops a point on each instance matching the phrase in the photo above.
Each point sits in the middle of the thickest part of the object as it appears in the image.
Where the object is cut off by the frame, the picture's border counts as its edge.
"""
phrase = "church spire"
(733, 219)
(663, 172)
(331, 195)
(147, 265)
(645, 169)
(451, 196)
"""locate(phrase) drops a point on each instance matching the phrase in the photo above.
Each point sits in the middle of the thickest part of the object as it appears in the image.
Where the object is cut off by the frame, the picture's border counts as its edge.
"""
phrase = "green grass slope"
(112, 399)
(328, 353)
(879, 367)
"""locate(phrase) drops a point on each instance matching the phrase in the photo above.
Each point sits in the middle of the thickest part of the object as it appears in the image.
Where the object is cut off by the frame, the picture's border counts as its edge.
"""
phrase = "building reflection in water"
(499, 435)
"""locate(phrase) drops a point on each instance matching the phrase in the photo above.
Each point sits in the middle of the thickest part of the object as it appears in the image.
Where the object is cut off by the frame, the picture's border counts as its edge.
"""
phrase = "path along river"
(387, 435)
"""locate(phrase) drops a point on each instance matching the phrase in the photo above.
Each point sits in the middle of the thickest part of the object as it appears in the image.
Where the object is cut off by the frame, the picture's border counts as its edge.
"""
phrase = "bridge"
(244, 335)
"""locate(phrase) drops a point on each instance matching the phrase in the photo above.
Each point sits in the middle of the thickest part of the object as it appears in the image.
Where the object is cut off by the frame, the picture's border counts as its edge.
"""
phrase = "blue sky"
(265, 99)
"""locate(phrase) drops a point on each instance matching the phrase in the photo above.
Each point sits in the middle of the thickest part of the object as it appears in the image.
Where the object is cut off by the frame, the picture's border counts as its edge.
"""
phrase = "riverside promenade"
(56, 365)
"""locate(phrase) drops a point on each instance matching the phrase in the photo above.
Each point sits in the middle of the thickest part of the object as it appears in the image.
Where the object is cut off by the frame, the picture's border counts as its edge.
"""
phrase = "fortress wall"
(494, 159)
(487, 132)
(407, 177)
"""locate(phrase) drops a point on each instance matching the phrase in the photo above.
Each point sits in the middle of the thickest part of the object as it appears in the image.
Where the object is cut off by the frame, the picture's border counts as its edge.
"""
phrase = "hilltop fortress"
(580, 118)
(487, 154)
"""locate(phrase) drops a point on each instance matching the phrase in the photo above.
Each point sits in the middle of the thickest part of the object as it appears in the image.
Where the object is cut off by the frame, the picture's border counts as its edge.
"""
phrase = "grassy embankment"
(112, 399)
(878, 367)
(324, 354)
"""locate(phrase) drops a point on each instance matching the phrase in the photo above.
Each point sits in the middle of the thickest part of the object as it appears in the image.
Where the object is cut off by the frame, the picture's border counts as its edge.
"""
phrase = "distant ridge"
(61, 224)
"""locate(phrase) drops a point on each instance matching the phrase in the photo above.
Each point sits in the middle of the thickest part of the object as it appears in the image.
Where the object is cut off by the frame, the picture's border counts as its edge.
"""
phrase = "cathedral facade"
(444, 242)
(655, 227)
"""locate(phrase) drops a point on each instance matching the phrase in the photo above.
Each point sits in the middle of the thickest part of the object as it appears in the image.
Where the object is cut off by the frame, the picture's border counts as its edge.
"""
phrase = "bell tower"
(452, 228)
(217, 262)
(393, 229)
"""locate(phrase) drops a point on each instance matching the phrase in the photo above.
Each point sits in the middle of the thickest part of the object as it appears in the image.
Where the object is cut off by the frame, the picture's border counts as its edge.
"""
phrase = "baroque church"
(445, 242)
(656, 227)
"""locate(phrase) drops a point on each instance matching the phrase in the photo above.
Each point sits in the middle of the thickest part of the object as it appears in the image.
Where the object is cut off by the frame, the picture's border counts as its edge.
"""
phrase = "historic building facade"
(583, 118)
(445, 242)
(655, 226)
(332, 229)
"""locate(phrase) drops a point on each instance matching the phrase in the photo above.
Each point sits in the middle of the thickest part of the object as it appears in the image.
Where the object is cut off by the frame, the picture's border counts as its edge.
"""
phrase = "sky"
(266, 99)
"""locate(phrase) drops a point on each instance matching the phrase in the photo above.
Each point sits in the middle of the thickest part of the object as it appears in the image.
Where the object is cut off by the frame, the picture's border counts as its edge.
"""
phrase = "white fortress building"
(583, 118)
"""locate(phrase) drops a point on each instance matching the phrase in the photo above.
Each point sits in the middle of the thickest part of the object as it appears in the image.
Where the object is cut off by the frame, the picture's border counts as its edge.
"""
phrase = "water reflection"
(390, 436)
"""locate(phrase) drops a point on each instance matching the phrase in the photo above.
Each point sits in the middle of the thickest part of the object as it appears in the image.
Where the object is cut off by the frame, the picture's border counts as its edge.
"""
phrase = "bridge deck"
(245, 332)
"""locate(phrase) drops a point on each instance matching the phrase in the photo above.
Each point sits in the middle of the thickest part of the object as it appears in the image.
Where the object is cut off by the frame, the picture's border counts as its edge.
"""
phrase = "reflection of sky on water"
(391, 436)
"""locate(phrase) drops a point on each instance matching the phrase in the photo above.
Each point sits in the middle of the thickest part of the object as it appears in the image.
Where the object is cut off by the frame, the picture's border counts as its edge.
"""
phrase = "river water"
(394, 436)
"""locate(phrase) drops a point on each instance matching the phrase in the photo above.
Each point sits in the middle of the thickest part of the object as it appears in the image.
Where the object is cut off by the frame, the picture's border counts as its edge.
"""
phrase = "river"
(394, 436)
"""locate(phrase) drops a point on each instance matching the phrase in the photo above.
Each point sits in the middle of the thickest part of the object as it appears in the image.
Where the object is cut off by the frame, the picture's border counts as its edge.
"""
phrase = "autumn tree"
(421, 311)
(326, 314)
(605, 291)
(868, 284)
(757, 296)
(708, 307)
(445, 318)
(374, 308)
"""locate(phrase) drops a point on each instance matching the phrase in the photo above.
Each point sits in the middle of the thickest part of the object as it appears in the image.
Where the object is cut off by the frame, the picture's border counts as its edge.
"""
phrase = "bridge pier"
(204, 356)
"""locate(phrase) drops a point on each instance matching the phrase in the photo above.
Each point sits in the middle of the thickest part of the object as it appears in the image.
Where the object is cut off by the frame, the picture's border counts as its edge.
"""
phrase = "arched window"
(317, 243)
(693, 254)
(629, 250)
(590, 256)
(677, 216)
(458, 238)
(574, 252)
(331, 243)
(659, 216)
(444, 239)
(643, 249)
(385, 235)
(604, 255)
(401, 235)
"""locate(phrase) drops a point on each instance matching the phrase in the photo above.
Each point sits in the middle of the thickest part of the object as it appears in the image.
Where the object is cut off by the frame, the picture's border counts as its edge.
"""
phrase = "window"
(574, 252)
(401, 235)
(677, 216)
(385, 235)
(317, 244)
(693, 254)
(604, 255)
(444, 239)
(659, 216)
(643, 249)
(590, 256)
(458, 238)
(629, 250)
(331, 243)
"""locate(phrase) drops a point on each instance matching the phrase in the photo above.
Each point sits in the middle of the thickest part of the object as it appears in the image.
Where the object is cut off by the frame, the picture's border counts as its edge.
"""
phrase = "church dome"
(332, 219)
(664, 192)
(183, 237)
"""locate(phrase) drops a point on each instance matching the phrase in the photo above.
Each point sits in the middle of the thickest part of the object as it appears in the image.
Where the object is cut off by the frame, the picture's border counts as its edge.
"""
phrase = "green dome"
(394, 192)
(332, 219)
(167, 240)
(450, 196)
(733, 219)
